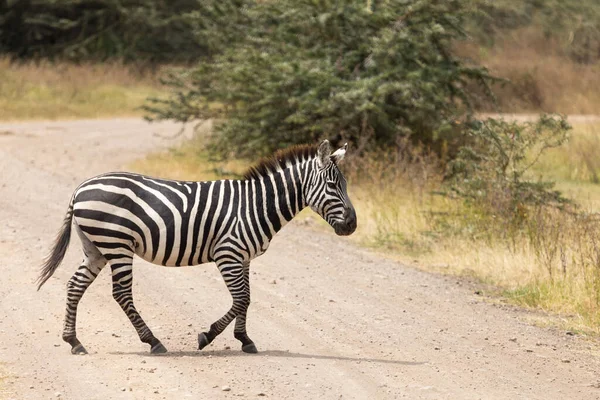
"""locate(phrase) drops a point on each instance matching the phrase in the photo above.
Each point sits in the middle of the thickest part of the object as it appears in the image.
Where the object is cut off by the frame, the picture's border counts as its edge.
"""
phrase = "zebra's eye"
(331, 184)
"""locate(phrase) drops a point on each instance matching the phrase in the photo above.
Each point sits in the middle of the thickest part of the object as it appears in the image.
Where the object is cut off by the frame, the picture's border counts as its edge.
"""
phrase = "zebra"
(182, 223)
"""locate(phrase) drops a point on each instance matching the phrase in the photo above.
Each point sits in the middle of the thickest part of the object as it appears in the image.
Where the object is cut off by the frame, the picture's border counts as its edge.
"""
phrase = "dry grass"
(61, 90)
(575, 166)
(542, 77)
(576, 161)
(554, 265)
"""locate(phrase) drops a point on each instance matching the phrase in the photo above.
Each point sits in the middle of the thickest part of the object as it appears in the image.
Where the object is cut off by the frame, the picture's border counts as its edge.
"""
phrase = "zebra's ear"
(324, 153)
(339, 154)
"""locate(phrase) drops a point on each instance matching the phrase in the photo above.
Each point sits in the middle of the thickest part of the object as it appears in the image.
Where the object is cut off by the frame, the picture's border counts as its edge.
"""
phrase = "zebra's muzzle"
(348, 225)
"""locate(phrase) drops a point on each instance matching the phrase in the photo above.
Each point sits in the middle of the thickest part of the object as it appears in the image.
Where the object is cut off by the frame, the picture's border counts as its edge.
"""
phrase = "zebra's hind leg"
(233, 274)
(122, 278)
(91, 266)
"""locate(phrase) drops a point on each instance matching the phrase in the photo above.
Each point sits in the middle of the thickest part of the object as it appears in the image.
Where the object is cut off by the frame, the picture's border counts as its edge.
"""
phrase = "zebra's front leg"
(122, 277)
(240, 321)
(233, 275)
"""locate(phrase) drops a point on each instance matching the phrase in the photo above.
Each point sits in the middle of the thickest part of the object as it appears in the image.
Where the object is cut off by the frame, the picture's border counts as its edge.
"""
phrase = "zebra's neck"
(279, 196)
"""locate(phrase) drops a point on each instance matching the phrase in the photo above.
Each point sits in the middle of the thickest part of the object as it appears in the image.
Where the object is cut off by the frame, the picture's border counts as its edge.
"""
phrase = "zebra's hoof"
(202, 341)
(78, 349)
(249, 348)
(158, 349)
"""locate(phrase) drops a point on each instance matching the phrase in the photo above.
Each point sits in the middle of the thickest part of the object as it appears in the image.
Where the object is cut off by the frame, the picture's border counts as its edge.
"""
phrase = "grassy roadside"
(52, 91)
(553, 266)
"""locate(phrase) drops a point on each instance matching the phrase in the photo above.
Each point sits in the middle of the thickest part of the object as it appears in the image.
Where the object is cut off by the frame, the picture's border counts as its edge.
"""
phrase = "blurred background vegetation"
(442, 176)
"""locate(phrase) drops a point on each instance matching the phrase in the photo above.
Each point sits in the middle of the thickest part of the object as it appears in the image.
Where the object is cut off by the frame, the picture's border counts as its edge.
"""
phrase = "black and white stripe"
(175, 223)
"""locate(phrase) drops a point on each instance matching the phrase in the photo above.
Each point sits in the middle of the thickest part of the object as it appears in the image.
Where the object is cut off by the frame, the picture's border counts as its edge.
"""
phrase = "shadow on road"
(268, 353)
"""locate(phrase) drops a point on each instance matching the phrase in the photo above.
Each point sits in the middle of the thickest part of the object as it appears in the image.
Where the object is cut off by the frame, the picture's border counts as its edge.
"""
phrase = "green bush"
(370, 72)
(491, 173)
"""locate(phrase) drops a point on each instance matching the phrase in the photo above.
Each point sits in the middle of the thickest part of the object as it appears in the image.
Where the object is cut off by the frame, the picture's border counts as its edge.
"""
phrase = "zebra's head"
(326, 193)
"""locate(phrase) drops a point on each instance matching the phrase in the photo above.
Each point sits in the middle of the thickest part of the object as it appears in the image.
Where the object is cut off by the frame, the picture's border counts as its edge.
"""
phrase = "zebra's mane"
(280, 160)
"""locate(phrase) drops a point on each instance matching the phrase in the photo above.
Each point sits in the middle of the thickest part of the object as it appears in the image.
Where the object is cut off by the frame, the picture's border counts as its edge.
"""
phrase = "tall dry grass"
(575, 166)
(553, 264)
(61, 90)
(542, 77)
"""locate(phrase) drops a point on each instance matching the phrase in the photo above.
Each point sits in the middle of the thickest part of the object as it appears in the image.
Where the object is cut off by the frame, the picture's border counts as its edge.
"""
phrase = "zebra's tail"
(61, 244)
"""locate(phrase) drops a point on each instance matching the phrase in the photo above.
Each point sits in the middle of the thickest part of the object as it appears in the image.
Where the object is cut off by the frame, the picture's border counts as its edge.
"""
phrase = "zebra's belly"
(177, 258)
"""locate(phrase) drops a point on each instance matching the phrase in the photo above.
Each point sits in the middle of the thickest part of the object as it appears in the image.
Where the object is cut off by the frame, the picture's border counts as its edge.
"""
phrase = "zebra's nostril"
(350, 217)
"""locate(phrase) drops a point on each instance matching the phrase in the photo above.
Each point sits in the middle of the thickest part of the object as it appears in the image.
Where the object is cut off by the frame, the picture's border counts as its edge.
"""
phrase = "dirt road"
(330, 320)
